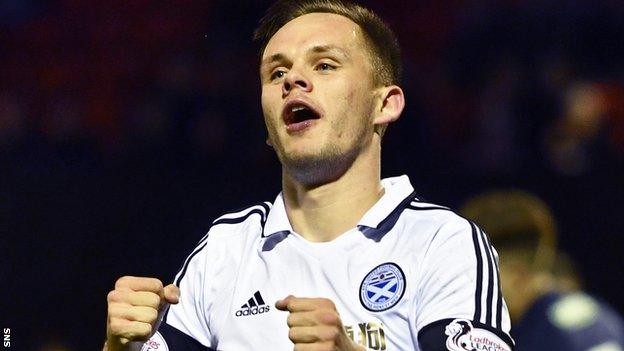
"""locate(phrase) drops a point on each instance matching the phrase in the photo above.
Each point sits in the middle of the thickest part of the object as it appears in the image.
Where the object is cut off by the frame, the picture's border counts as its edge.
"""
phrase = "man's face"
(317, 94)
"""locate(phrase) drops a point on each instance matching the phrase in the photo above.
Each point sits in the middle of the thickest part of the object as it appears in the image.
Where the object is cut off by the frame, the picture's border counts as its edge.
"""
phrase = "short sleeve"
(459, 298)
(185, 325)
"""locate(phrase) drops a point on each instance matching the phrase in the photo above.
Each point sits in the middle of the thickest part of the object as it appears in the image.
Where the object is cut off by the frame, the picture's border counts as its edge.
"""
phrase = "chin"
(319, 166)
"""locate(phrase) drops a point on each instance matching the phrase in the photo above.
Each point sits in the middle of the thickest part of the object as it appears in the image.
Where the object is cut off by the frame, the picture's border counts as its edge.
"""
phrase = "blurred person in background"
(540, 284)
(589, 135)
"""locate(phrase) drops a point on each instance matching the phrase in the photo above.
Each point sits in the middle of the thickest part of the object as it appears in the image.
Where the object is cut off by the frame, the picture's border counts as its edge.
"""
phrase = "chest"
(372, 291)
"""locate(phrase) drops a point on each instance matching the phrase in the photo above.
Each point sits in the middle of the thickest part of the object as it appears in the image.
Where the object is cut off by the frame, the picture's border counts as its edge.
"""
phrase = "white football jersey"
(411, 276)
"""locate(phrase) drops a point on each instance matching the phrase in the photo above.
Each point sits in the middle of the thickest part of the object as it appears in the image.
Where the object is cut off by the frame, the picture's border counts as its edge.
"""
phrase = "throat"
(330, 205)
(327, 214)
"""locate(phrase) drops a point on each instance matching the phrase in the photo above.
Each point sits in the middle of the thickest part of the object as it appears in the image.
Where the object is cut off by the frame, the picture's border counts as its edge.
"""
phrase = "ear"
(268, 142)
(389, 106)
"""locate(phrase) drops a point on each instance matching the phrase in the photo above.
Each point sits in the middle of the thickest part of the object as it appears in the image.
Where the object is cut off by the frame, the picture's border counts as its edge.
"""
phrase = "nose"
(295, 79)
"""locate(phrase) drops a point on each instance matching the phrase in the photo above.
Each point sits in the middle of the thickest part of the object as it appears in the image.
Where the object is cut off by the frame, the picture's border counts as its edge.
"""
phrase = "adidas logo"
(255, 305)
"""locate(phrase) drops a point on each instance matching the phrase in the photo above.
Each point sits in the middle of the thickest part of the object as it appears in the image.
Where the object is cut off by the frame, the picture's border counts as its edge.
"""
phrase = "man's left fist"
(315, 325)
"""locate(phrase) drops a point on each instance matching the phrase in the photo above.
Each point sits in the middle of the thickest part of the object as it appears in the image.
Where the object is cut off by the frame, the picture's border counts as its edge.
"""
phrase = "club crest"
(382, 287)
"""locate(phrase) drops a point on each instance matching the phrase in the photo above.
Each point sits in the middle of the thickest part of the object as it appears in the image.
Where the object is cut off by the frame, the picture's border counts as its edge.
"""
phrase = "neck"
(323, 212)
(539, 285)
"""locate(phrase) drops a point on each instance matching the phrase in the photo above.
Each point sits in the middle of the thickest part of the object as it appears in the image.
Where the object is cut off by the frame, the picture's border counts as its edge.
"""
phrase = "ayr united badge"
(382, 287)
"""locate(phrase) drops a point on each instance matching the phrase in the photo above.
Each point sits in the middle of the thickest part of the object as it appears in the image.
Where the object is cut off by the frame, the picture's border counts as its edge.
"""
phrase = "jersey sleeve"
(459, 304)
(186, 325)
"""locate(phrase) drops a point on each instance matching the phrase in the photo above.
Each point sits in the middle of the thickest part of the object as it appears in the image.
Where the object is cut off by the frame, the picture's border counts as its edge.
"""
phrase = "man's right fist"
(133, 309)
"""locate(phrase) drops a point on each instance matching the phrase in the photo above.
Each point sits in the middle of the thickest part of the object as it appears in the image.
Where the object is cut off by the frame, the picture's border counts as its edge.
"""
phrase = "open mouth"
(298, 115)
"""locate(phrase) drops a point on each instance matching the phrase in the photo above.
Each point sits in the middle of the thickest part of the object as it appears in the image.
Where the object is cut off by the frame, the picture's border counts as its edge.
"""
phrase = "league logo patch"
(462, 336)
(155, 343)
(382, 288)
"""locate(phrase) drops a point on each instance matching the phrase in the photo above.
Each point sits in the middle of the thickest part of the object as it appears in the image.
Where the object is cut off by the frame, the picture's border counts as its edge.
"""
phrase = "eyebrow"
(271, 59)
(318, 49)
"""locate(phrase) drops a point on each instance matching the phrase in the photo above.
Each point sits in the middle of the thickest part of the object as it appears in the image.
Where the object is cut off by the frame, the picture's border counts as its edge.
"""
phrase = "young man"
(341, 260)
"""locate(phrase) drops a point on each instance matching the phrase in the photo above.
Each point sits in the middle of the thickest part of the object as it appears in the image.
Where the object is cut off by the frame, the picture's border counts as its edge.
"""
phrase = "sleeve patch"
(155, 343)
(462, 335)
(169, 338)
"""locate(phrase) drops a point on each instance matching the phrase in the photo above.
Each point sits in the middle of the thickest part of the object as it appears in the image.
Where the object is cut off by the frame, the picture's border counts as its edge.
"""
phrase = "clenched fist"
(133, 309)
(315, 325)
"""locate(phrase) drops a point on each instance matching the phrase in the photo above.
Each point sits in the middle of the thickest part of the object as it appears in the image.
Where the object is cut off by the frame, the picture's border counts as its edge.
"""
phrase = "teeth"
(298, 108)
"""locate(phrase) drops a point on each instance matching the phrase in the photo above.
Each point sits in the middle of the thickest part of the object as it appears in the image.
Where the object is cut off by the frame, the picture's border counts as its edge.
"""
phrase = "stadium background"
(127, 126)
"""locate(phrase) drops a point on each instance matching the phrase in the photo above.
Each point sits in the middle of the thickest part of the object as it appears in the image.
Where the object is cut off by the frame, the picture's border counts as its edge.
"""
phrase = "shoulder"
(241, 221)
(440, 215)
(438, 222)
(228, 233)
(451, 245)
(231, 230)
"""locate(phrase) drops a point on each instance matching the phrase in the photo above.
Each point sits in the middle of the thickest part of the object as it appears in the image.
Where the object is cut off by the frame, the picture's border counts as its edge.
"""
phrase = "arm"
(459, 299)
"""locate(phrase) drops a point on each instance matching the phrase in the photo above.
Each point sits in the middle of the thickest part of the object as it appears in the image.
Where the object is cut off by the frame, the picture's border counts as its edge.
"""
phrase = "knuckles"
(126, 312)
(145, 332)
(158, 285)
(152, 315)
(134, 332)
(112, 311)
(328, 304)
(127, 281)
(139, 298)
(324, 334)
(117, 327)
(123, 281)
(290, 321)
(153, 301)
(112, 296)
(292, 335)
(331, 334)
(329, 318)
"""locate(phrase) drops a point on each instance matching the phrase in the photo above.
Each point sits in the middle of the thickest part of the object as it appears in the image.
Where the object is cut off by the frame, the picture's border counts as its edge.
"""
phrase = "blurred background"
(126, 127)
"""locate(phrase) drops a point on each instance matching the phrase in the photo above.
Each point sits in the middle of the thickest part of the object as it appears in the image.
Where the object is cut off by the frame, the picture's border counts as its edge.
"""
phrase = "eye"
(278, 74)
(324, 67)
